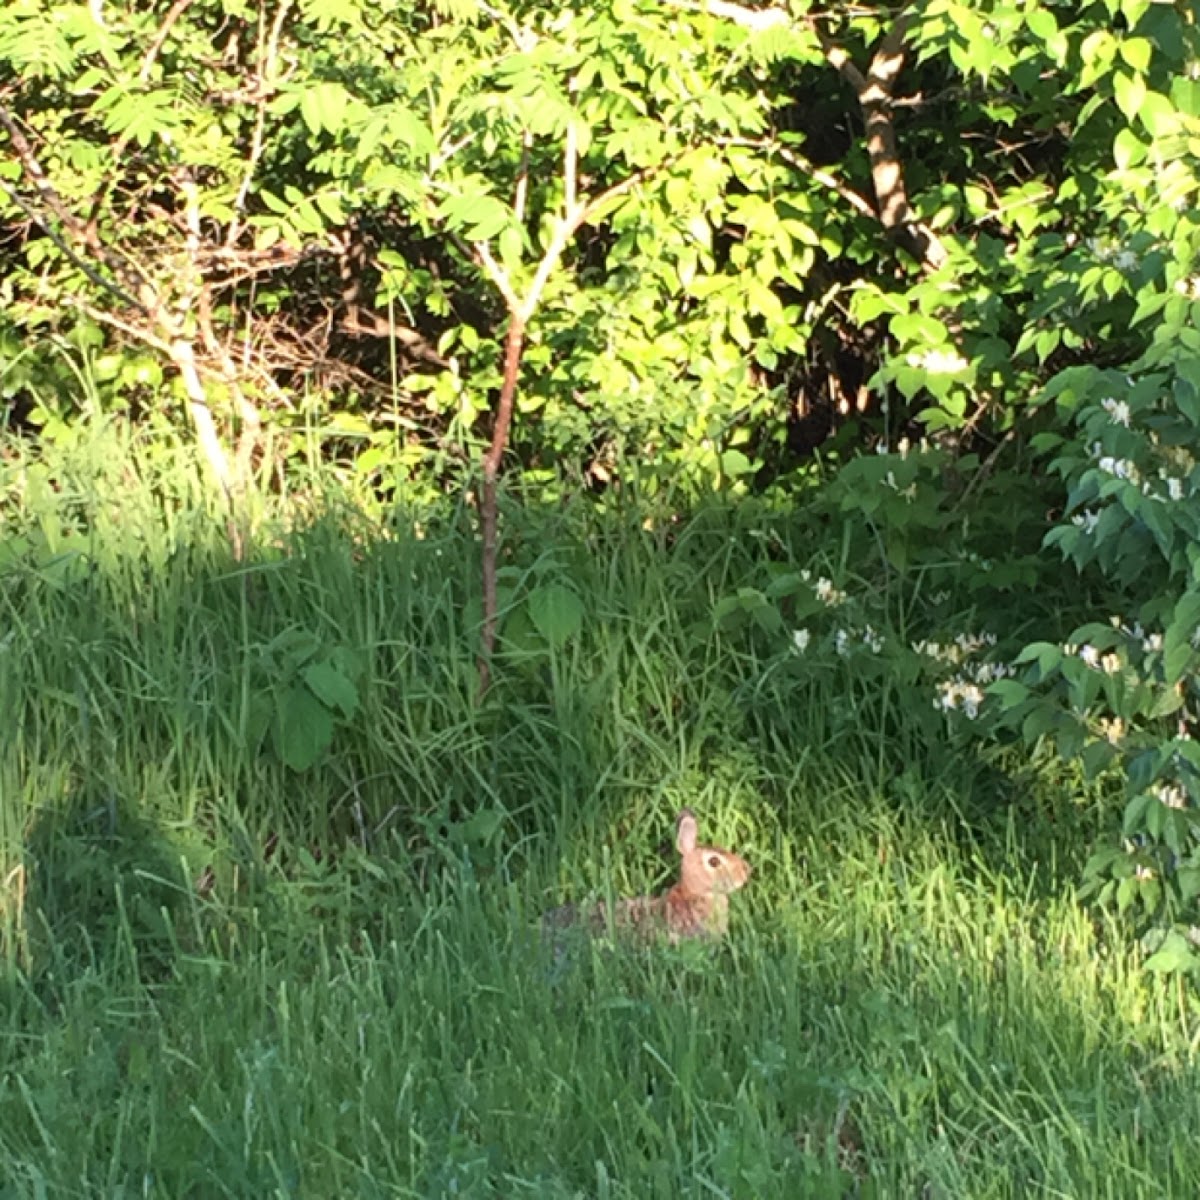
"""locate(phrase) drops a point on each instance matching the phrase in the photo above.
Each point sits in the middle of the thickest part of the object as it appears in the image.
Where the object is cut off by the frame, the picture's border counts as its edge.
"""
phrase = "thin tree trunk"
(488, 501)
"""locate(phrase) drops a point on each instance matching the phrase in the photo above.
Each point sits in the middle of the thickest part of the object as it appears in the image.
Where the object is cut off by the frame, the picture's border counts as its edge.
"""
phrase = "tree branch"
(497, 274)
(265, 86)
(874, 92)
(68, 251)
(159, 40)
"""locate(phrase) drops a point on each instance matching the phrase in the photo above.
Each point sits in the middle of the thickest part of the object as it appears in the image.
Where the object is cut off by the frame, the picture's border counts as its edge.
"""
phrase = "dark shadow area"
(104, 888)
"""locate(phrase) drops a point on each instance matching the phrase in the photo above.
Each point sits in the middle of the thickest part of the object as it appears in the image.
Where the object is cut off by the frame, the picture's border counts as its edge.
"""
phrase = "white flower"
(872, 640)
(957, 693)
(841, 642)
(1090, 656)
(800, 639)
(1086, 520)
(827, 593)
(1173, 796)
(1122, 468)
(939, 362)
(1118, 411)
(1175, 488)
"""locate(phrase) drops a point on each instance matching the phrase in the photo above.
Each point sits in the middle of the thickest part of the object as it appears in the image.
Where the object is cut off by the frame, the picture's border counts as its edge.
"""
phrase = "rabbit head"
(706, 870)
(698, 905)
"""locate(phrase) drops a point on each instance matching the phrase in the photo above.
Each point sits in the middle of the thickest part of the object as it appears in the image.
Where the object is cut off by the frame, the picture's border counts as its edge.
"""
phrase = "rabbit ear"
(685, 831)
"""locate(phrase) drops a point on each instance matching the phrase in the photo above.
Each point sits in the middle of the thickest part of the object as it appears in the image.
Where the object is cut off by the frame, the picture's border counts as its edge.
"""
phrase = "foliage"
(1122, 693)
(330, 158)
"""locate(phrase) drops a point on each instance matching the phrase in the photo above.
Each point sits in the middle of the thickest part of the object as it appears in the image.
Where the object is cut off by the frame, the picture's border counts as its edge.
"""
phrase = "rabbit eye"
(714, 861)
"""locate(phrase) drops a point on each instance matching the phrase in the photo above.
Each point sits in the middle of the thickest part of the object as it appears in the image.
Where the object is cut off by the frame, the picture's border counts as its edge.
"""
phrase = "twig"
(263, 92)
(40, 220)
(159, 40)
(521, 195)
(497, 274)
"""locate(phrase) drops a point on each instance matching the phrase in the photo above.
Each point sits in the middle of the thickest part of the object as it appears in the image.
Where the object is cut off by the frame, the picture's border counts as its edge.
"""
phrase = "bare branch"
(164, 31)
(497, 274)
(44, 225)
(874, 92)
(593, 206)
(271, 68)
(138, 332)
(39, 178)
(840, 60)
(447, 152)
(521, 198)
(489, 507)
(264, 89)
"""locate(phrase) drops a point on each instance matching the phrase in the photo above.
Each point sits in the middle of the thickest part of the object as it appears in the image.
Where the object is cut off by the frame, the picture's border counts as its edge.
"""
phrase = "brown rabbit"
(696, 907)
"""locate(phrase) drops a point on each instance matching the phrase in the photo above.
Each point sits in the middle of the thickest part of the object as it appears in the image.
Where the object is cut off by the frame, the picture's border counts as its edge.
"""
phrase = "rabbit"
(696, 907)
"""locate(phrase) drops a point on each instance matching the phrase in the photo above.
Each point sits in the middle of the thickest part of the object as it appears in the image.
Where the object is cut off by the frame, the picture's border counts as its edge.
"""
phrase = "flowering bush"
(1123, 693)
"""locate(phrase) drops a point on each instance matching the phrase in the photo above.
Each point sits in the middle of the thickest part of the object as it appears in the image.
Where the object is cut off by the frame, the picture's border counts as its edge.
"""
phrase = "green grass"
(910, 1001)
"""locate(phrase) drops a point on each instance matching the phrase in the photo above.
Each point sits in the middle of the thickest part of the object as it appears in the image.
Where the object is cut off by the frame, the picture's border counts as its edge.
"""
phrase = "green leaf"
(1175, 955)
(481, 215)
(1009, 692)
(735, 463)
(480, 827)
(1136, 51)
(1042, 24)
(303, 728)
(1178, 651)
(1188, 879)
(556, 612)
(1128, 151)
(1096, 758)
(1047, 655)
(1130, 91)
(1158, 115)
(323, 107)
(332, 687)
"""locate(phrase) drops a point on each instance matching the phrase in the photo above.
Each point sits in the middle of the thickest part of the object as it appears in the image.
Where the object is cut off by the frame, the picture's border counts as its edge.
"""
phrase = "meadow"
(226, 976)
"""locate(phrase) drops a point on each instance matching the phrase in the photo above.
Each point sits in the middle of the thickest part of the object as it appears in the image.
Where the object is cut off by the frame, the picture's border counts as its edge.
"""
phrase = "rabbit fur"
(696, 907)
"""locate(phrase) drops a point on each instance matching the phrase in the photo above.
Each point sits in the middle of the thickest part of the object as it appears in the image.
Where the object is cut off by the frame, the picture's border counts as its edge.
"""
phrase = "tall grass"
(224, 978)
